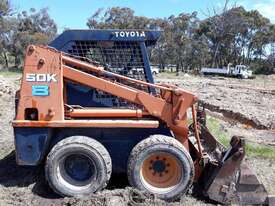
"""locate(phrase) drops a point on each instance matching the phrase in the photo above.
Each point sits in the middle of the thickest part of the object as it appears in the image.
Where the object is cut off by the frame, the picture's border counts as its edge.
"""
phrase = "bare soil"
(27, 186)
(249, 101)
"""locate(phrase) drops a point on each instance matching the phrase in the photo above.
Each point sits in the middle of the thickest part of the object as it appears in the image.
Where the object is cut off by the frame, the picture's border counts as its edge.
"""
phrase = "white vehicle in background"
(239, 71)
(155, 69)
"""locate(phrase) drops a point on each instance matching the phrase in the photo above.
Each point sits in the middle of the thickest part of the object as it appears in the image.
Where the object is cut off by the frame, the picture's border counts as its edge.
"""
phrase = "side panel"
(42, 85)
(31, 144)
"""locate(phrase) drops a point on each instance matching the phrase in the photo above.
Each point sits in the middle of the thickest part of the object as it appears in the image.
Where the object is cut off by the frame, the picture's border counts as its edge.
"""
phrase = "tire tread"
(81, 140)
(154, 140)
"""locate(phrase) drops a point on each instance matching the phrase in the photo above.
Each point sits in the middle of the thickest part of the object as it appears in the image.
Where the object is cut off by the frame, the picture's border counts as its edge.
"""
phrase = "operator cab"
(242, 71)
(119, 51)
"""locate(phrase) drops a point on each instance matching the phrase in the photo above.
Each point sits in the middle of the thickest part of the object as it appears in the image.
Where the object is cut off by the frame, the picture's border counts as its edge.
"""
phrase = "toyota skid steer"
(88, 108)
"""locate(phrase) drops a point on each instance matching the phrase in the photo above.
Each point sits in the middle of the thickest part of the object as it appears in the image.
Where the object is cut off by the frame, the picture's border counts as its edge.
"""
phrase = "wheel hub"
(161, 170)
(159, 166)
(79, 167)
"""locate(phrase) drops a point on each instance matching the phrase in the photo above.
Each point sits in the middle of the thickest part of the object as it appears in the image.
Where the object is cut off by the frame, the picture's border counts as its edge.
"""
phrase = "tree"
(18, 31)
(121, 18)
(35, 27)
(179, 40)
(5, 12)
(5, 8)
(236, 36)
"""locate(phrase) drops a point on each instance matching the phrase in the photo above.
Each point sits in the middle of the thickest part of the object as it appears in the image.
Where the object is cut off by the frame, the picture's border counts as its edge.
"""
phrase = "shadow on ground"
(12, 175)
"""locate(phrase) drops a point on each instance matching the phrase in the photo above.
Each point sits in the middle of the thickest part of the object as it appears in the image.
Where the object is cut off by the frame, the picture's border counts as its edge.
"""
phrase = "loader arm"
(172, 112)
(170, 106)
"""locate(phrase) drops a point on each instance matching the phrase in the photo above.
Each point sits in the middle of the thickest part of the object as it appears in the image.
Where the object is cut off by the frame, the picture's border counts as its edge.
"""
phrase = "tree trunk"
(215, 55)
(16, 61)
(248, 54)
(6, 60)
(177, 68)
(182, 66)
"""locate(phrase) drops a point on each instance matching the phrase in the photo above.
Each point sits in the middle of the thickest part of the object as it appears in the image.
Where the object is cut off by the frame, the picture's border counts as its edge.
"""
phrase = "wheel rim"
(77, 169)
(161, 172)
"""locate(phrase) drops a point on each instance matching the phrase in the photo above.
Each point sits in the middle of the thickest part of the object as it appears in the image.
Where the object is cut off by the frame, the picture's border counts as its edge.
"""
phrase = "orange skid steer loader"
(149, 139)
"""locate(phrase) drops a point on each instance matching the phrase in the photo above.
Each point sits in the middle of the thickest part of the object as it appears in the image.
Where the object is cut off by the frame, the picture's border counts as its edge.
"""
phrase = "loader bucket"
(227, 179)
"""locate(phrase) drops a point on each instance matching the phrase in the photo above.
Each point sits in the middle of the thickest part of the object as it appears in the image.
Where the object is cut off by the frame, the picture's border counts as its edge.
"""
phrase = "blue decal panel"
(40, 90)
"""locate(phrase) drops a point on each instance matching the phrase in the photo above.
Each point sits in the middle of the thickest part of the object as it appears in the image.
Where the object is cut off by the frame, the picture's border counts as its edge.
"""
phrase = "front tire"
(162, 166)
(78, 166)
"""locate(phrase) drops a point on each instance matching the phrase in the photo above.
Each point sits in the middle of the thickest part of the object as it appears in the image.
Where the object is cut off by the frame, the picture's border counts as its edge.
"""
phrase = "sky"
(73, 14)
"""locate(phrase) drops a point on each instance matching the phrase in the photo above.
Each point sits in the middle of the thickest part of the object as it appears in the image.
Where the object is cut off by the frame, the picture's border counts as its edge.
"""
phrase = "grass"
(216, 130)
(252, 149)
(260, 151)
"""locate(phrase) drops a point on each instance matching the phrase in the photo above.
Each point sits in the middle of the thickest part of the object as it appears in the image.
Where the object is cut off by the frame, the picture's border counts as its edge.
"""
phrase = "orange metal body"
(50, 107)
(106, 113)
(120, 123)
(169, 105)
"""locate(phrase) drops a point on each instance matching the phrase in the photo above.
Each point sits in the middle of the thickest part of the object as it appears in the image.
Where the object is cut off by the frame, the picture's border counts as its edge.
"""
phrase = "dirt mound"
(7, 92)
(250, 102)
(7, 87)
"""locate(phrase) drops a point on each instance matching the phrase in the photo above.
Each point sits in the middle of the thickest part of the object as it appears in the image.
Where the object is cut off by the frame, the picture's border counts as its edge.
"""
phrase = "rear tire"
(78, 166)
(161, 165)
